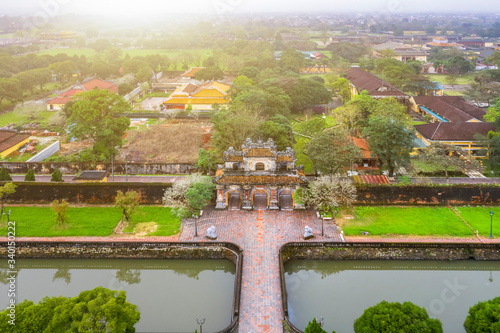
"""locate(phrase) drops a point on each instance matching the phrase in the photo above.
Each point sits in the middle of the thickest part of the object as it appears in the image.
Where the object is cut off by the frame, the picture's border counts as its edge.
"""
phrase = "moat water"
(170, 294)
(339, 291)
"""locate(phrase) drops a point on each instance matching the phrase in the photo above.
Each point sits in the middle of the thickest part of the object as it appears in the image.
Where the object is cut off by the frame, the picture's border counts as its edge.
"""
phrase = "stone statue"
(211, 233)
(308, 232)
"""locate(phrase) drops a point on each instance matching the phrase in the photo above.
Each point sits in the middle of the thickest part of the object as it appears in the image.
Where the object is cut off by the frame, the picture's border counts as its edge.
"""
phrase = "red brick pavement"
(260, 234)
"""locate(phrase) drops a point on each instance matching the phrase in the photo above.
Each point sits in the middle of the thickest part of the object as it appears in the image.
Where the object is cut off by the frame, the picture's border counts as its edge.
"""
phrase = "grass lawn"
(168, 224)
(422, 166)
(414, 123)
(421, 221)
(479, 219)
(302, 159)
(86, 221)
(17, 117)
(443, 78)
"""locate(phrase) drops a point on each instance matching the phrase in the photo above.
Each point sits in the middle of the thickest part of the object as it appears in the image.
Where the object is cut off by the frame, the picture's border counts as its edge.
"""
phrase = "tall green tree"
(350, 52)
(459, 65)
(365, 103)
(308, 93)
(60, 208)
(233, 126)
(349, 118)
(4, 175)
(127, 202)
(206, 160)
(199, 195)
(210, 73)
(41, 76)
(390, 108)
(10, 90)
(292, 60)
(64, 70)
(332, 151)
(391, 140)
(279, 129)
(93, 115)
(446, 156)
(26, 81)
(5, 192)
(200, 189)
(96, 310)
(396, 317)
(125, 88)
(484, 317)
(342, 89)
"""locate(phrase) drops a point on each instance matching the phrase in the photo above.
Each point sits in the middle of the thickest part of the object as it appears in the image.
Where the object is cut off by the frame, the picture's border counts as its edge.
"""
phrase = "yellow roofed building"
(201, 97)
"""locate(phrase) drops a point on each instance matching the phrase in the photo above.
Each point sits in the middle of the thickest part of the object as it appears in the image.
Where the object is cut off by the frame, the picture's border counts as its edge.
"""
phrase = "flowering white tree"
(172, 113)
(330, 194)
(189, 194)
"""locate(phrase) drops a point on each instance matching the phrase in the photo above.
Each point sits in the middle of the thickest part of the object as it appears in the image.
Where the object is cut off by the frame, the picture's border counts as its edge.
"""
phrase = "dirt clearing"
(175, 141)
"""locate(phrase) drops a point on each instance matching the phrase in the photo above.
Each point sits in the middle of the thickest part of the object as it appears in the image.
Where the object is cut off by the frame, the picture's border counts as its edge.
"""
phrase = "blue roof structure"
(435, 115)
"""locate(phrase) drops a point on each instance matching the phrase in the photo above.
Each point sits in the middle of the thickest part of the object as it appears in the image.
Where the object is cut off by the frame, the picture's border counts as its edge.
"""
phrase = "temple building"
(201, 97)
(259, 177)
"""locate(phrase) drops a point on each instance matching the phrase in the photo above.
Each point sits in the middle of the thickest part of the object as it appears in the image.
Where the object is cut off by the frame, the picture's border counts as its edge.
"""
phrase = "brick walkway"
(260, 234)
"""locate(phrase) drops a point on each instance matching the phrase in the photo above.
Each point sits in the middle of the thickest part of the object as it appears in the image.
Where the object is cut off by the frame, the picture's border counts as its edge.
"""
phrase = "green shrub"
(30, 176)
(396, 317)
(56, 176)
(484, 317)
(4, 175)
(315, 327)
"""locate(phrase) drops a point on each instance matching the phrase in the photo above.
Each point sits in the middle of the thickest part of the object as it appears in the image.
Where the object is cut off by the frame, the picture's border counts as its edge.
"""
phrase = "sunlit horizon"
(167, 9)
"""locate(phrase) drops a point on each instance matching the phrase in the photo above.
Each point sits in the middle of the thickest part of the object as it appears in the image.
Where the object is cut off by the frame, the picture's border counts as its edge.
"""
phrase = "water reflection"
(170, 294)
(3, 276)
(130, 276)
(62, 273)
(340, 290)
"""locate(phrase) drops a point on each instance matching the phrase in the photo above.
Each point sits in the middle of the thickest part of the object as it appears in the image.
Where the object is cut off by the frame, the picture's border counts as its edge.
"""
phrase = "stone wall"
(458, 194)
(73, 168)
(152, 193)
(389, 251)
(137, 250)
(88, 193)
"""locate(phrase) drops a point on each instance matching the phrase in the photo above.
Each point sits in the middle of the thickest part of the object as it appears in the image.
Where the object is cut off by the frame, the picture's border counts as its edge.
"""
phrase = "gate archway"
(233, 200)
(286, 200)
(260, 200)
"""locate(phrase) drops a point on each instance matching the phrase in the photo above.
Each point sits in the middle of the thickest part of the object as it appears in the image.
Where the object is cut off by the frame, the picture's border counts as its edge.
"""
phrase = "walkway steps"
(261, 234)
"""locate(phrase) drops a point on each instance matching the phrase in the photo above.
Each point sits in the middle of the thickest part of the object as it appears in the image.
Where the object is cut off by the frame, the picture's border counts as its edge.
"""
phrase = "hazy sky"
(130, 8)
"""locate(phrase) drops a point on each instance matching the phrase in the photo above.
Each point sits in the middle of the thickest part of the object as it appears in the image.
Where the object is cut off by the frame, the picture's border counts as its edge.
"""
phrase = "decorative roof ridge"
(288, 152)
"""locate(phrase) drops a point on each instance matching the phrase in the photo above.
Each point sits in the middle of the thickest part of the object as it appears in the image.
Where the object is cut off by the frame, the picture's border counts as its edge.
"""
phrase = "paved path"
(260, 234)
